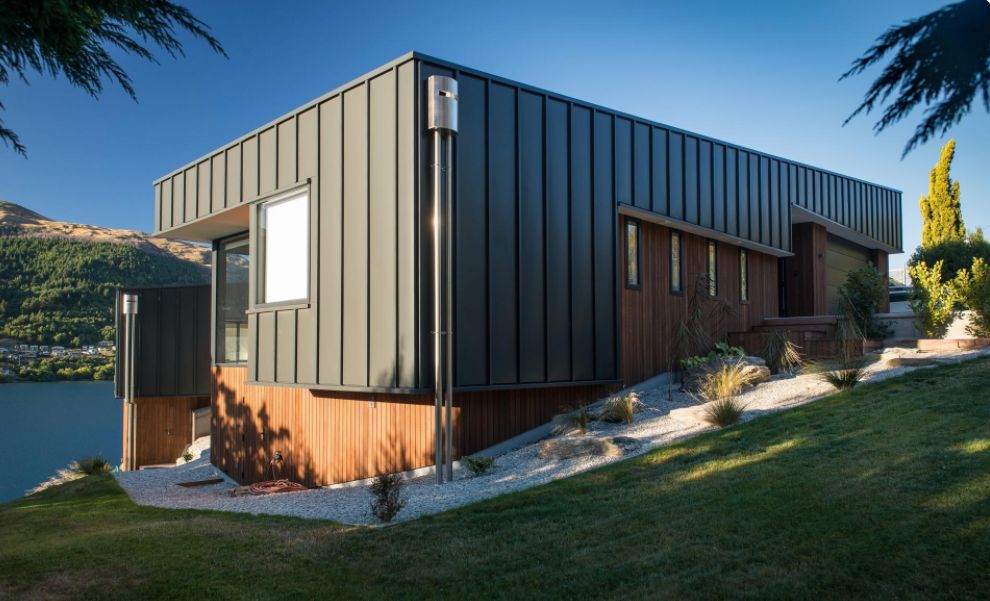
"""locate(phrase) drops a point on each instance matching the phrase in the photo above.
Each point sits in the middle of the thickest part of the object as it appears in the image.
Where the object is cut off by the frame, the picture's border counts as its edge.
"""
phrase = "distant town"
(41, 362)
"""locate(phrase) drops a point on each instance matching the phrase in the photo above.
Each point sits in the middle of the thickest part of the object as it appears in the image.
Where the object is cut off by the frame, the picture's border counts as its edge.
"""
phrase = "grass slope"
(879, 492)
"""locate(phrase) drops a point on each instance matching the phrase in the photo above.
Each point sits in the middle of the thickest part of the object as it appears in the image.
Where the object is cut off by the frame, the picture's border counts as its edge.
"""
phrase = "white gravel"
(662, 421)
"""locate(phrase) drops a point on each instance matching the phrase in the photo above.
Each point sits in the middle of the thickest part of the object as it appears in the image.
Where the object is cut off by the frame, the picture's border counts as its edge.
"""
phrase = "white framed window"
(283, 244)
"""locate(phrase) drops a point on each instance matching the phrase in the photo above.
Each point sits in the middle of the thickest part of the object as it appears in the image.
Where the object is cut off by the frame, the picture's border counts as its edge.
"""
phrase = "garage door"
(841, 257)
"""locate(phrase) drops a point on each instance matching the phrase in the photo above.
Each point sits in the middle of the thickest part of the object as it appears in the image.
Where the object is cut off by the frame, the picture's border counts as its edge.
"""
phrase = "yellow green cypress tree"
(941, 213)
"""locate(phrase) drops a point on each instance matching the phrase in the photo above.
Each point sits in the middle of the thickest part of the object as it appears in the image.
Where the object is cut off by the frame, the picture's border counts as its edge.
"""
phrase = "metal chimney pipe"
(442, 121)
(130, 310)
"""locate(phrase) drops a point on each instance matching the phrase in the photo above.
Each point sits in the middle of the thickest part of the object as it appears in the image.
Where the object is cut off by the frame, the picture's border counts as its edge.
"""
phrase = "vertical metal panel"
(285, 142)
(532, 277)
(623, 161)
(267, 161)
(582, 291)
(641, 165)
(331, 183)
(218, 174)
(743, 197)
(753, 200)
(763, 202)
(773, 184)
(266, 347)
(285, 346)
(406, 223)
(167, 203)
(675, 173)
(502, 228)
(355, 276)
(178, 198)
(203, 189)
(307, 146)
(731, 191)
(558, 242)
(718, 188)
(190, 194)
(252, 369)
(158, 207)
(661, 177)
(383, 311)
(691, 201)
(233, 181)
(249, 171)
(604, 228)
(706, 210)
(471, 235)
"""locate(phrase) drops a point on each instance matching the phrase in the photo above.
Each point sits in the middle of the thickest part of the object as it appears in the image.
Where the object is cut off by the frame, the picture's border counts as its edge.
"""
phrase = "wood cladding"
(164, 427)
(804, 273)
(330, 437)
(651, 313)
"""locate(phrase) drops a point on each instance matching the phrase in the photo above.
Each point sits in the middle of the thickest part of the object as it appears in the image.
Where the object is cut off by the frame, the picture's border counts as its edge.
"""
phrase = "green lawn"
(880, 493)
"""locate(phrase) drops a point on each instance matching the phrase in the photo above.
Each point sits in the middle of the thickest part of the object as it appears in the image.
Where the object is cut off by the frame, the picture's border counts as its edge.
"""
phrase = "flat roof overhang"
(802, 215)
(230, 221)
(697, 230)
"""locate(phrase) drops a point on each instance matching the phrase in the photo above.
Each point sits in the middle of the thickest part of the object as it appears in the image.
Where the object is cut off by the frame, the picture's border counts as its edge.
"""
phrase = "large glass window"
(632, 253)
(743, 275)
(283, 243)
(712, 268)
(676, 282)
(233, 262)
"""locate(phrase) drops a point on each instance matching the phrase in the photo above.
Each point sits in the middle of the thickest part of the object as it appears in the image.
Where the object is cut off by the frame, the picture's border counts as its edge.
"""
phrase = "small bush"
(620, 409)
(721, 350)
(90, 466)
(724, 412)
(846, 376)
(187, 456)
(577, 418)
(387, 492)
(933, 301)
(973, 288)
(862, 295)
(479, 465)
(723, 382)
(781, 354)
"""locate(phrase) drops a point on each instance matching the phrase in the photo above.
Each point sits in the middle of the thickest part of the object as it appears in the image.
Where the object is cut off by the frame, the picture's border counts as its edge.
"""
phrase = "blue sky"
(762, 74)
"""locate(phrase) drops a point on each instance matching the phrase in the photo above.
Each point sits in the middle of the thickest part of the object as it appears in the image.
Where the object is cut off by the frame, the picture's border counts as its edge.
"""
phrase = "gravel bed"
(654, 426)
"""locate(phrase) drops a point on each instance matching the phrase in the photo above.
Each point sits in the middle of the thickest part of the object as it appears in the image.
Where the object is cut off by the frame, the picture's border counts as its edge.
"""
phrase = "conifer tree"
(941, 212)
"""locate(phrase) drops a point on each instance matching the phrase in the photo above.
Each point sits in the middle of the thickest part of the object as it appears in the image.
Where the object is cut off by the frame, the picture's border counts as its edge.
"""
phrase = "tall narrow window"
(632, 254)
(284, 246)
(232, 301)
(676, 282)
(712, 268)
(743, 275)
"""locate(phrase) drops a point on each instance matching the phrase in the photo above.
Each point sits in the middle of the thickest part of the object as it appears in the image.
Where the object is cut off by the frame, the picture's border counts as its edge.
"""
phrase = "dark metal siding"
(173, 341)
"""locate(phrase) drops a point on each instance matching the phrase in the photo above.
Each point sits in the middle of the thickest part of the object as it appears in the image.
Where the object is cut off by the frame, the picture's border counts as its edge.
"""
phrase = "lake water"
(46, 425)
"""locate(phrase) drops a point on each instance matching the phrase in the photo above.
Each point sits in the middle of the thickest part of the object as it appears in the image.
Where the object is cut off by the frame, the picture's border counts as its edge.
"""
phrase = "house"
(576, 235)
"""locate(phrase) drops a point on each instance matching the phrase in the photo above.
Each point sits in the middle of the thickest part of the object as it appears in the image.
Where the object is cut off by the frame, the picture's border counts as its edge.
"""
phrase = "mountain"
(58, 280)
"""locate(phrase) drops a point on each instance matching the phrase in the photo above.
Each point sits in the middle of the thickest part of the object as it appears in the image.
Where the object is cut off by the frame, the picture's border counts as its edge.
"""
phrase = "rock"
(565, 447)
(909, 362)
(755, 367)
(627, 444)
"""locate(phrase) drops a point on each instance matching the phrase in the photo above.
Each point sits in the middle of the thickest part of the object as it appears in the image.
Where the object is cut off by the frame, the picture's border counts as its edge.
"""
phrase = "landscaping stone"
(566, 447)
(909, 362)
(627, 444)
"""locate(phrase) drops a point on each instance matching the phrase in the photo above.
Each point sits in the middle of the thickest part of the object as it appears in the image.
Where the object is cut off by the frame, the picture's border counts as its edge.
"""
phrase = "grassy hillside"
(882, 492)
(61, 291)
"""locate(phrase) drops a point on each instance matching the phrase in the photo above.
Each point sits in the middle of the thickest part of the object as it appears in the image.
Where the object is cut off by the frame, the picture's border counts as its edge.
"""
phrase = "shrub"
(724, 412)
(90, 466)
(387, 492)
(576, 418)
(973, 289)
(846, 376)
(954, 254)
(780, 353)
(721, 350)
(620, 409)
(725, 381)
(187, 456)
(933, 300)
(862, 295)
(479, 465)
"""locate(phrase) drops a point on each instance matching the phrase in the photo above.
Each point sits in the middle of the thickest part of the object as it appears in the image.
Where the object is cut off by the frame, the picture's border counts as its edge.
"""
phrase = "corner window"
(632, 254)
(676, 266)
(233, 262)
(712, 268)
(743, 275)
(283, 243)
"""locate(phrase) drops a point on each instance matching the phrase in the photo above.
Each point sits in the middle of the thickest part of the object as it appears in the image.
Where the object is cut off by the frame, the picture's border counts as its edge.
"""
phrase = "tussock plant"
(576, 418)
(90, 466)
(478, 465)
(724, 412)
(781, 354)
(846, 376)
(387, 492)
(620, 409)
(727, 380)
